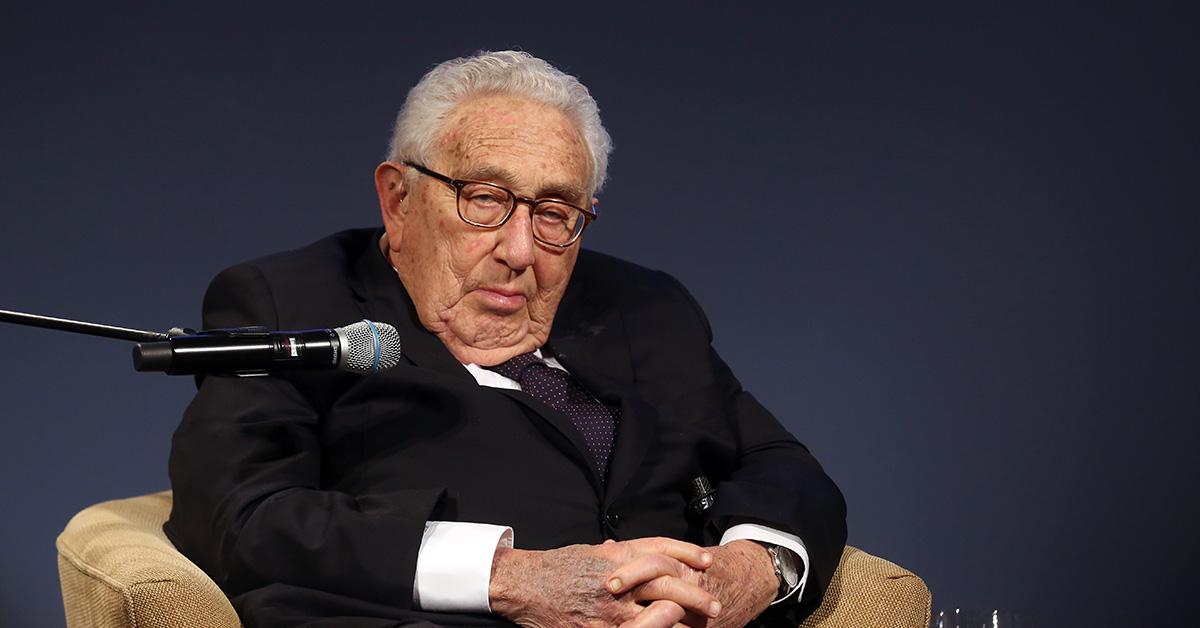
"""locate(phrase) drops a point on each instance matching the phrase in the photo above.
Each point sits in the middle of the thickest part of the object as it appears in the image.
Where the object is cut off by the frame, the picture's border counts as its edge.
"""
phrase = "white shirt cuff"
(755, 532)
(454, 565)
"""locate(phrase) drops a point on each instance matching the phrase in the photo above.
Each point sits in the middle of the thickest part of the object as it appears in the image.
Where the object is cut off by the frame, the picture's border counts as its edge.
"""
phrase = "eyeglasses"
(489, 206)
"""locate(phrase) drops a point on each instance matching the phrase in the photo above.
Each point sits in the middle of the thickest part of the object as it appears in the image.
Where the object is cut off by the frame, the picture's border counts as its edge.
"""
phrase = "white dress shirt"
(454, 563)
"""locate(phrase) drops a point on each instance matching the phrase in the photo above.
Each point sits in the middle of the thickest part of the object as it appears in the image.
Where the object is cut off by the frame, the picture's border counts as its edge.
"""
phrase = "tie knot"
(515, 368)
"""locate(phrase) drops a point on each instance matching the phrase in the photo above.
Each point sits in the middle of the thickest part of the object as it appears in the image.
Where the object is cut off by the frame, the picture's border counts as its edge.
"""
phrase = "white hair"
(419, 123)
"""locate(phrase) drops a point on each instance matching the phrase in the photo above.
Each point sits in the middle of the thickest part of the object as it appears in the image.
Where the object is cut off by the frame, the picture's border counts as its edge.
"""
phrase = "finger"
(660, 614)
(687, 595)
(689, 554)
(643, 569)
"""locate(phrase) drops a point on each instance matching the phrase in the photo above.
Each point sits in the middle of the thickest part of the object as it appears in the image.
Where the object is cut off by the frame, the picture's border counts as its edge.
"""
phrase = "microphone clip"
(701, 496)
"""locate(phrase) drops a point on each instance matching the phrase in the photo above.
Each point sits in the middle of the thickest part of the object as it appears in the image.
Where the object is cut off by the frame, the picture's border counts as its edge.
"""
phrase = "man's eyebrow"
(488, 173)
(501, 176)
(561, 191)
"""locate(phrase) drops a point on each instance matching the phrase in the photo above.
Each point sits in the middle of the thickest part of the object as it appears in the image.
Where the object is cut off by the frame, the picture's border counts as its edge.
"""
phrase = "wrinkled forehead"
(528, 146)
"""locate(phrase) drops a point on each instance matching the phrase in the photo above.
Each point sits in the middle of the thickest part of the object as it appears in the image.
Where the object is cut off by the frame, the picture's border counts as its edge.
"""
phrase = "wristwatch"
(784, 561)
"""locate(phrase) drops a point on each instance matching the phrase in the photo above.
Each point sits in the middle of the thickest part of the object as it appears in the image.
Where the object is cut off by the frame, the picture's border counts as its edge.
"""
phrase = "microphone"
(362, 347)
(700, 495)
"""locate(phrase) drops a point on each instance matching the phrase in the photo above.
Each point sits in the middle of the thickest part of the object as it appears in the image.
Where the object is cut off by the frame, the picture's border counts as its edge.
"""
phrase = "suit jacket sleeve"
(776, 481)
(249, 506)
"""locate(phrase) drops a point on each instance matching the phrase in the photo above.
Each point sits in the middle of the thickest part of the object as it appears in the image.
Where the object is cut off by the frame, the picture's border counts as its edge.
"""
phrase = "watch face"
(789, 575)
(786, 560)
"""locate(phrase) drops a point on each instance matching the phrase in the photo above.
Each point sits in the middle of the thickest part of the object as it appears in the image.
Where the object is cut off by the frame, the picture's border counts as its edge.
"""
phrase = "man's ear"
(392, 189)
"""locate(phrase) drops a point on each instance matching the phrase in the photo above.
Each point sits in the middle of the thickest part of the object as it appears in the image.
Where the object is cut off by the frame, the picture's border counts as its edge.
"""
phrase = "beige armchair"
(118, 569)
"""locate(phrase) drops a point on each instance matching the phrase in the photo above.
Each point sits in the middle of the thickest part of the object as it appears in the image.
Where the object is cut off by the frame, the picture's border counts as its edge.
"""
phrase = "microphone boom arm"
(81, 327)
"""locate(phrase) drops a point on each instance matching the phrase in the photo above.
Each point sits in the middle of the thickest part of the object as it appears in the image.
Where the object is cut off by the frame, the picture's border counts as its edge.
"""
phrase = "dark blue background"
(954, 249)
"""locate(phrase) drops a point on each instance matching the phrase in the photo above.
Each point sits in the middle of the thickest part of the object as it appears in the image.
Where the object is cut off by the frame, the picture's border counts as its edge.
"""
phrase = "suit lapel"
(635, 431)
(382, 297)
(590, 340)
(562, 433)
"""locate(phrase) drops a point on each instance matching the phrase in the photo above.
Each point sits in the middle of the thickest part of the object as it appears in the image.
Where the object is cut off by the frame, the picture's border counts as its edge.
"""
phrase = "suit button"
(612, 519)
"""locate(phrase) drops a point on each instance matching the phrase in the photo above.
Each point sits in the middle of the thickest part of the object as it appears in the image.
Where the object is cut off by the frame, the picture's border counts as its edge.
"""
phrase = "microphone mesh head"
(369, 347)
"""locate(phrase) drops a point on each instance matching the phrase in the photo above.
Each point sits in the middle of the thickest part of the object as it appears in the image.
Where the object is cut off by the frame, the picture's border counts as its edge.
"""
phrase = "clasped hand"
(642, 583)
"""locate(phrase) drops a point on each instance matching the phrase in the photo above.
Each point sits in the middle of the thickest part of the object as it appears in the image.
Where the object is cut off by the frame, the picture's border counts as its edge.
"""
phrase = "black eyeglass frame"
(459, 184)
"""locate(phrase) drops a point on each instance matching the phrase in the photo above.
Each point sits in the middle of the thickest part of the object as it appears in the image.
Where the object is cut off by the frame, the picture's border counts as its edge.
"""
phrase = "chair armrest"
(117, 568)
(870, 592)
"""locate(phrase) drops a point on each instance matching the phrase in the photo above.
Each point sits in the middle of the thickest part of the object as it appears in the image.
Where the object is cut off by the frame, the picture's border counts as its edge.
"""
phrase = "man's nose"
(515, 245)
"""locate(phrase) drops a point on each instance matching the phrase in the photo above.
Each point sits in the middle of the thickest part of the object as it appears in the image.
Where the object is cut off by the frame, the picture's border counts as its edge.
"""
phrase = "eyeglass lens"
(488, 205)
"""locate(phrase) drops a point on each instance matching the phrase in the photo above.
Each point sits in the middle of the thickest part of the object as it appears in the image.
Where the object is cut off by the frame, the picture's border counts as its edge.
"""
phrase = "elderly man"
(541, 454)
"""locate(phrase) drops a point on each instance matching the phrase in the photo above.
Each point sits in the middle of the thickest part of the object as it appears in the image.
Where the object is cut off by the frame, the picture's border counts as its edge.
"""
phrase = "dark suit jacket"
(306, 495)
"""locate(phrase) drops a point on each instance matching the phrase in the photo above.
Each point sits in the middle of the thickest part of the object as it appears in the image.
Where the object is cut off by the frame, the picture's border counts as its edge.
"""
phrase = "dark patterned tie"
(556, 388)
